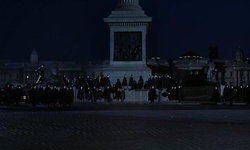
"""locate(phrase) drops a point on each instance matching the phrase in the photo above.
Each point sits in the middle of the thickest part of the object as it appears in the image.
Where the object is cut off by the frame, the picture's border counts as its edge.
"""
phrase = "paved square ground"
(137, 129)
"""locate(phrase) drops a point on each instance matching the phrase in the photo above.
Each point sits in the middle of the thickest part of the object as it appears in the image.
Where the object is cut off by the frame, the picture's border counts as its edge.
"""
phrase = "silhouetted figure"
(244, 94)
(88, 94)
(19, 95)
(62, 96)
(146, 85)
(113, 90)
(106, 94)
(226, 93)
(118, 84)
(97, 94)
(152, 95)
(80, 94)
(237, 92)
(180, 93)
(34, 96)
(1, 95)
(107, 81)
(140, 83)
(215, 95)
(47, 96)
(149, 81)
(124, 81)
(54, 96)
(70, 96)
(248, 95)
(41, 95)
(8, 91)
(131, 81)
(173, 93)
(231, 95)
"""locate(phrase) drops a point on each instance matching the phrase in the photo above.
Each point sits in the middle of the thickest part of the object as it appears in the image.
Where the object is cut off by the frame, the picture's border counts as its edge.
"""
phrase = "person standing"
(1, 95)
(215, 95)
(152, 95)
(140, 83)
(70, 95)
(41, 95)
(106, 94)
(54, 96)
(124, 82)
(7, 95)
(131, 82)
(19, 95)
(231, 95)
(80, 94)
(47, 96)
(34, 97)
(226, 93)
(248, 95)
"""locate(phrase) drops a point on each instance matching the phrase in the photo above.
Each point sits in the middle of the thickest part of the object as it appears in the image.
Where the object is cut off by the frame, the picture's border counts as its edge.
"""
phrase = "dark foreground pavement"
(123, 127)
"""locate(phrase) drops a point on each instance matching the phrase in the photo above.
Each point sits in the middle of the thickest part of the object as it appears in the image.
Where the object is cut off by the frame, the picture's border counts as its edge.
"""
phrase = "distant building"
(191, 69)
(24, 72)
(237, 72)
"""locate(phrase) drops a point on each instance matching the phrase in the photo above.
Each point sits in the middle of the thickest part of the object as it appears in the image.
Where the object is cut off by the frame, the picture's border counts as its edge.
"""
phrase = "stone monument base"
(118, 71)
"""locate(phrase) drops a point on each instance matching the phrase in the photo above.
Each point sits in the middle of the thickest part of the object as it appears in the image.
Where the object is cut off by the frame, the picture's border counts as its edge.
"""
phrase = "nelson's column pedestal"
(128, 26)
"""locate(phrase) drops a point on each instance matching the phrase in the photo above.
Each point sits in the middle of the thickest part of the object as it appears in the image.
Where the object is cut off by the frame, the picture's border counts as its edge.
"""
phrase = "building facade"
(190, 69)
(23, 73)
(193, 69)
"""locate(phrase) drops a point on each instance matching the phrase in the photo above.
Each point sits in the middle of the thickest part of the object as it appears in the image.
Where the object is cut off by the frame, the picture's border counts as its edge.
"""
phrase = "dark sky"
(74, 29)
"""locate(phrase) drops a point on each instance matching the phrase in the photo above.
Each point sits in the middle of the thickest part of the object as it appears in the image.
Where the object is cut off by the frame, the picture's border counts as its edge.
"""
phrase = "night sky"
(74, 29)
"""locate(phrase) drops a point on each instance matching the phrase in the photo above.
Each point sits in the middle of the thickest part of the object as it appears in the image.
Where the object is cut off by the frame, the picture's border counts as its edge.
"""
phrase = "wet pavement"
(127, 126)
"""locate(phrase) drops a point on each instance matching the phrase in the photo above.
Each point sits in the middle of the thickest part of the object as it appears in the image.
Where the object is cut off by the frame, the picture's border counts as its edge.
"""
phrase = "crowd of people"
(100, 87)
(231, 94)
(34, 95)
(88, 89)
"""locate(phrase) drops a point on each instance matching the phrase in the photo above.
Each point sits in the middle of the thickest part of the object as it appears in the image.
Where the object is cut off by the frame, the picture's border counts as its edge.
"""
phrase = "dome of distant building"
(190, 55)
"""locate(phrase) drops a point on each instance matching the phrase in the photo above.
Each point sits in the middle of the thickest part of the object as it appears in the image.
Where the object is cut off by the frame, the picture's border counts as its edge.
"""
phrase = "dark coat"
(80, 94)
(215, 96)
(152, 95)
(124, 82)
(54, 95)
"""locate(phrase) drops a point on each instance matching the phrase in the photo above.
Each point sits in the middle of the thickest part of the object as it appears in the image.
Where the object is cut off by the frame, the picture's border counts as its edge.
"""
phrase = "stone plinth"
(128, 26)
